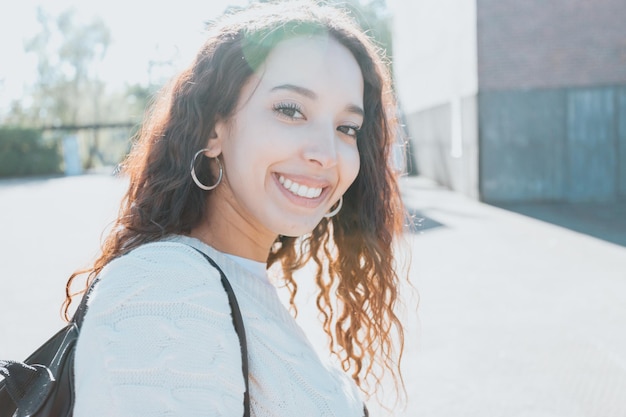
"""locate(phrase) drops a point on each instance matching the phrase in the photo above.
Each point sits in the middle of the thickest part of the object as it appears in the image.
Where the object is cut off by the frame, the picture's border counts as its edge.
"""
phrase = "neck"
(243, 246)
(223, 229)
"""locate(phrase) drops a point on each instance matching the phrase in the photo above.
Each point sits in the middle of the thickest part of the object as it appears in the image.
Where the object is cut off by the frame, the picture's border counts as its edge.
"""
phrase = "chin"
(293, 233)
(297, 230)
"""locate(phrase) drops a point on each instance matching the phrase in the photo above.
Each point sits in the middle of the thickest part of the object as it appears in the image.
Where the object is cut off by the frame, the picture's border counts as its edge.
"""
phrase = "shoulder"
(158, 335)
(158, 257)
(168, 264)
(154, 272)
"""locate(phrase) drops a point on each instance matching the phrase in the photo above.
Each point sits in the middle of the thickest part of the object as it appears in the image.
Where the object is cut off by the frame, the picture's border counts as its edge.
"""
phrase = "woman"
(272, 148)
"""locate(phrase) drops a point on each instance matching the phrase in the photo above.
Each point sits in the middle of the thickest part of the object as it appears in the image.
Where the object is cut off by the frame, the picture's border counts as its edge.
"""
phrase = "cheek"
(351, 164)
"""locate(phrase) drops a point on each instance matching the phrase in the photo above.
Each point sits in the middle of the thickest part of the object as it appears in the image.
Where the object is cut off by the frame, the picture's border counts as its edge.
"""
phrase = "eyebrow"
(352, 108)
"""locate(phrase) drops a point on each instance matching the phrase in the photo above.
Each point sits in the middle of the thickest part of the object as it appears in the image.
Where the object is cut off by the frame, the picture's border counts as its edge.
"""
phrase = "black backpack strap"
(79, 315)
(239, 328)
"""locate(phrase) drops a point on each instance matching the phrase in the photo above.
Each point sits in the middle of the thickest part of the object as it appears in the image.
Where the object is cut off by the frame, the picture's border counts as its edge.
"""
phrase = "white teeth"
(311, 193)
(299, 189)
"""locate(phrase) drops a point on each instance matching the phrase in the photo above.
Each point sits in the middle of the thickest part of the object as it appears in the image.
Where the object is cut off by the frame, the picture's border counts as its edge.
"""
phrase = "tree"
(68, 89)
(67, 56)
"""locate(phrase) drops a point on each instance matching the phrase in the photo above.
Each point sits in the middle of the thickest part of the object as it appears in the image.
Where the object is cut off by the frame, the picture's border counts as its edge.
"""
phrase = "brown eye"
(349, 130)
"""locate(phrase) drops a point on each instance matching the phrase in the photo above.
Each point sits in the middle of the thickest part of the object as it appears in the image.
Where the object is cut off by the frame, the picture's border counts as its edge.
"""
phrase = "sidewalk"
(606, 221)
(516, 317)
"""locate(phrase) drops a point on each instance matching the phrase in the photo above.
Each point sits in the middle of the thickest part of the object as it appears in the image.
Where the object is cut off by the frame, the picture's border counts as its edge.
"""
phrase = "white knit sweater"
(158, 340)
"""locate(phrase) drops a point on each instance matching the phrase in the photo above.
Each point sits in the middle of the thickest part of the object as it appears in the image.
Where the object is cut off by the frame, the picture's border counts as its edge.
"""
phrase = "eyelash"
(344, 128)
(288, 110)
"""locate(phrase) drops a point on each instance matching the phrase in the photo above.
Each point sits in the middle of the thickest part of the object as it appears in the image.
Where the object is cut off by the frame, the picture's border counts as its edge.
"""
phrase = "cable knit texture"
(158, 340)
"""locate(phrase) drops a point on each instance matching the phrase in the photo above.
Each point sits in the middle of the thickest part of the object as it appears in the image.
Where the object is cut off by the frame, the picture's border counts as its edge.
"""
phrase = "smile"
(299, 189)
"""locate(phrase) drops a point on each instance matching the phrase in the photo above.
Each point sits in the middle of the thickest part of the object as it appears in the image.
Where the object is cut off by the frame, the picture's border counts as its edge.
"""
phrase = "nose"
(321, 147)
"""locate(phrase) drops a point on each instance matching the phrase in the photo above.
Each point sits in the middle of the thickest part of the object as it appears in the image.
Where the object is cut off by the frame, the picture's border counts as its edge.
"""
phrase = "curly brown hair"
(353, 251)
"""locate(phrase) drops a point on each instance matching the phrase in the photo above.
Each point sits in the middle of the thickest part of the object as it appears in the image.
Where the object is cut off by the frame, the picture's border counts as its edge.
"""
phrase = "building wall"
(434, 43)
(564, 144)
(447, 144)
(436, 78)
(550, 43)
(551, 76)
(511, 100)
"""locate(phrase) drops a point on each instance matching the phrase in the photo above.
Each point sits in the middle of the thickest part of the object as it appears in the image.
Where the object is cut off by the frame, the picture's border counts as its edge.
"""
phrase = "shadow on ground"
(418, 222)
(606, 221)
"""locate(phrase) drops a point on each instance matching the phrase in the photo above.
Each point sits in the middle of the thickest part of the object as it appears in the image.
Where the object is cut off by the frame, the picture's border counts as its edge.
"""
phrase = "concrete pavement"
(516, 317)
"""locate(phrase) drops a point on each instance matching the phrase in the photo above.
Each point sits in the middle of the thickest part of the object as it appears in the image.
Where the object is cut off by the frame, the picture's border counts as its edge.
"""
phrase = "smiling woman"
(295, 119)
(272, 148)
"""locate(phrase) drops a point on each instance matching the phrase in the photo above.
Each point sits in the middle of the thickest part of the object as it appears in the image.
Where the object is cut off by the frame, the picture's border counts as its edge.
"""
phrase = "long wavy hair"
(356, 272)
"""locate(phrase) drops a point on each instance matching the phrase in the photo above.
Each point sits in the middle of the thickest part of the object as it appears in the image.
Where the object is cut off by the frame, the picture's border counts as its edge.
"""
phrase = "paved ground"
(516, 317)
(606, 221)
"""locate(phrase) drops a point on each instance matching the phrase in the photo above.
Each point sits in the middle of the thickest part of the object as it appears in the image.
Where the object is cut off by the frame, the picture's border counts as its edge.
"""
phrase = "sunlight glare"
(140, 34)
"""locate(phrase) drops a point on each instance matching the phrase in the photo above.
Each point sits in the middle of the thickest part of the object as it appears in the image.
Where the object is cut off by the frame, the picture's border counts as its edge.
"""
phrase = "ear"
(214, 144)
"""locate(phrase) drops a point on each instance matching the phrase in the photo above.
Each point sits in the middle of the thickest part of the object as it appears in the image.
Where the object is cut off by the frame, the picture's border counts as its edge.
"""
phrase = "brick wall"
(550, 43)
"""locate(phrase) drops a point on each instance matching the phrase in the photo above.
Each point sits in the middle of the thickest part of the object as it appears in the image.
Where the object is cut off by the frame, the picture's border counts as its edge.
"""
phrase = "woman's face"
(290, 150)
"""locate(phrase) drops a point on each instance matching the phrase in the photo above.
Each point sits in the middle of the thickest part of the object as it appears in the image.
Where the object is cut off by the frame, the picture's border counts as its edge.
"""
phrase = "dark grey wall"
(553, 145)
(621, 140)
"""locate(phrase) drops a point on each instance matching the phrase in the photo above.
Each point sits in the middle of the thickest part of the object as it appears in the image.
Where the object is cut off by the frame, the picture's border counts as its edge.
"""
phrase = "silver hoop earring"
(195, 178)
(336, 210)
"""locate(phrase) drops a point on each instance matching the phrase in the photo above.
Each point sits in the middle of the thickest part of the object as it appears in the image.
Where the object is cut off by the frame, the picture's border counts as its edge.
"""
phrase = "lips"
(300, 190)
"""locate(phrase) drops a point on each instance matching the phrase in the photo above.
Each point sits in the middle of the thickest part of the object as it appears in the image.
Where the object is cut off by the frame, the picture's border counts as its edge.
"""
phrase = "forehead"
(319, 63)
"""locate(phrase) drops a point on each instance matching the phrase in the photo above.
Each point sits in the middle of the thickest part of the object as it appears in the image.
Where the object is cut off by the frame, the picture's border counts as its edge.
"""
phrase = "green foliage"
(23, 152)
